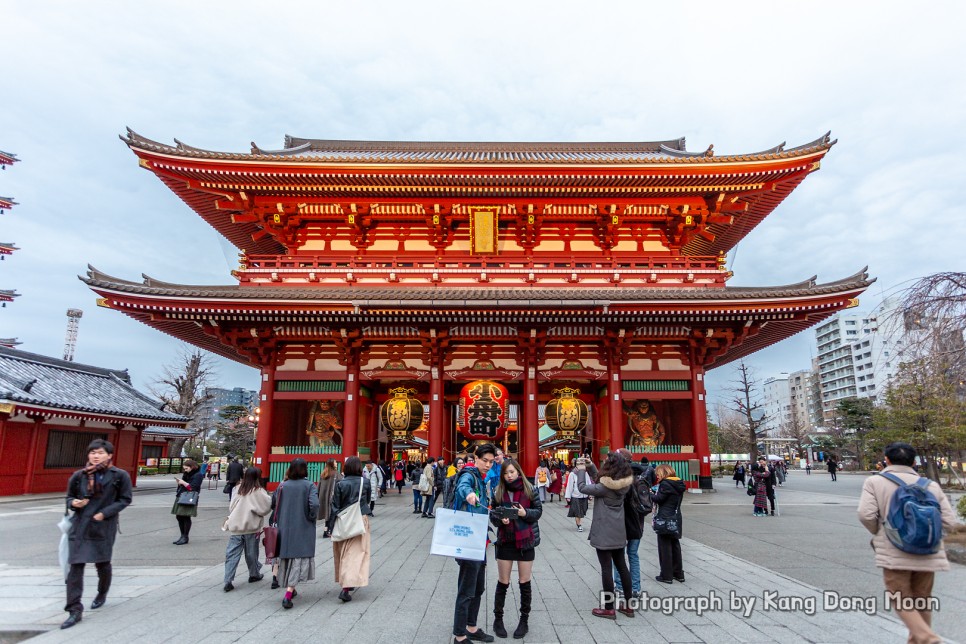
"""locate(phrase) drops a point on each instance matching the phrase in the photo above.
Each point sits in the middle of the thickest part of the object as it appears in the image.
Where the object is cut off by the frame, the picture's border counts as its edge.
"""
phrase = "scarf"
(521, 532)
(94, 487)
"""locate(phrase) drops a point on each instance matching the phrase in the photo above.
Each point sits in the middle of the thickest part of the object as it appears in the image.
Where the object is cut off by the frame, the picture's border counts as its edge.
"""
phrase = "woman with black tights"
(607, 533)
(190, 482)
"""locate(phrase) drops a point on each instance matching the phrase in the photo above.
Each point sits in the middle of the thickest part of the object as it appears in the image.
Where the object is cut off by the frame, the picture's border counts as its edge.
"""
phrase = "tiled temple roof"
(478, 153)
(50, 383)
(444, 296)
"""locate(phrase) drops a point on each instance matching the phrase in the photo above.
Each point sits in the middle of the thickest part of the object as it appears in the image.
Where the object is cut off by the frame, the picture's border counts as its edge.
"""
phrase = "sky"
(743, 76)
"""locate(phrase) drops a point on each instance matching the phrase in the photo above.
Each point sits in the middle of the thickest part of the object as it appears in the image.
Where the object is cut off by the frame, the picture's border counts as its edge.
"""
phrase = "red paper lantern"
(482, 411)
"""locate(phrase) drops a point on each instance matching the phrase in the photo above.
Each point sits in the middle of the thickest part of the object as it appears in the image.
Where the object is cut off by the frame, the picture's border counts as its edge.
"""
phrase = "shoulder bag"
(669, 526)
(270, 532)
(348, 522)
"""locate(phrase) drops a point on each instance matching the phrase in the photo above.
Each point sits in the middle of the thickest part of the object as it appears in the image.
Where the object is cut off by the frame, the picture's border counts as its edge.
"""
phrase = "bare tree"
(798, 431)
(183, 388)
(748, 405)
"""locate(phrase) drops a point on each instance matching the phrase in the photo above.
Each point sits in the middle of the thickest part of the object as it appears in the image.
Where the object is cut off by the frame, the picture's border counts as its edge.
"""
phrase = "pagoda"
(596, 269)
(7, 248)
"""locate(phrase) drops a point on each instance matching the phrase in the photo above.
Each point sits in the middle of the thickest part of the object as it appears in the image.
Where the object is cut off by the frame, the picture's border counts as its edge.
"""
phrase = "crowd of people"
(628, 495)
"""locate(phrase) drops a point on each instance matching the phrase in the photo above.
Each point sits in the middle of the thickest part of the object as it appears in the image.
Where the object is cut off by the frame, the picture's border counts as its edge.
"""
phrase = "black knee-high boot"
(526, 598)
(499, 601)
(183, 539)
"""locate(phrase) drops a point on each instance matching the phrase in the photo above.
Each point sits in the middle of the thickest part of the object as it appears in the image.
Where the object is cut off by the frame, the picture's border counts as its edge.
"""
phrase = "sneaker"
(252, 580)
(580, 528)
(479, 636)
(430, 516)
(229, 587)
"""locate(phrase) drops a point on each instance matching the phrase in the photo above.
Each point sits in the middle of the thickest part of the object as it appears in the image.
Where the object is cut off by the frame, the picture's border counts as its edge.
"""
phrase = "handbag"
(188, 498)
(668, 526)
(348, 522)
(227, 488)
(751, 487)
(424, 485)
(270, 532)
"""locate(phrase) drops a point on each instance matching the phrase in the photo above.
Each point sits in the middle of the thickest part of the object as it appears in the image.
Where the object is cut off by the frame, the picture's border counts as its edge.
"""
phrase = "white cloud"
(743, 76)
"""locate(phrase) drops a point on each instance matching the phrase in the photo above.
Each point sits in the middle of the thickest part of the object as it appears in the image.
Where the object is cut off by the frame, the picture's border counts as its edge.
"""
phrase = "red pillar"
(28, 479)
(699, 419)
(266, 405)
(615, 412)
(137, 454)
(528, 433)
(350, 423)
(437, 416)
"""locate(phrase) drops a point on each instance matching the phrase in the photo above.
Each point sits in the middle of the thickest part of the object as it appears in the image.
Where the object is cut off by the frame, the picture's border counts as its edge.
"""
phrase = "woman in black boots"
(516, 513)
(190, 482)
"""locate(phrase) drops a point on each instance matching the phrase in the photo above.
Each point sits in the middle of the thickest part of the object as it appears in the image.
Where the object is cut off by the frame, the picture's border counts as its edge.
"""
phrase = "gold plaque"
(484, 223)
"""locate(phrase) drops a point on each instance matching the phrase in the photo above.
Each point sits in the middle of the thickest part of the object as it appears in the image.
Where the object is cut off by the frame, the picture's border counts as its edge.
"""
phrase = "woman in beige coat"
(905, 574)
(250, 504)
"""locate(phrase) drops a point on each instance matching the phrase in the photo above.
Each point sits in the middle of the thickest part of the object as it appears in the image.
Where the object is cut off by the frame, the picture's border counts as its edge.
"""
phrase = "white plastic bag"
(63, 553)
(460, 534)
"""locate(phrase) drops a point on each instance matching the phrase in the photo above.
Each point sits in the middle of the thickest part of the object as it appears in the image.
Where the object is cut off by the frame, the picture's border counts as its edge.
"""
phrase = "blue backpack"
(914, 522)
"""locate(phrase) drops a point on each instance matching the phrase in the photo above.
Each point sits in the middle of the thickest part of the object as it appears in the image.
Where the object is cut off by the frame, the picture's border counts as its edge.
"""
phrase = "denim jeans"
(417, 499)
(237, 544)
(470, 588)
(428, 503)
(634, 564)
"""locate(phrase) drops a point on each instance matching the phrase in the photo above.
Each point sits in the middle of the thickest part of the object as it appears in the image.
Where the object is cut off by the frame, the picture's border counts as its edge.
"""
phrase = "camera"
(504, 512)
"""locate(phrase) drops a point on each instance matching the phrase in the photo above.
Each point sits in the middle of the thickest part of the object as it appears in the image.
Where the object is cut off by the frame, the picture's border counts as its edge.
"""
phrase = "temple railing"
(662, 449)
(307, 449)
(421, 268)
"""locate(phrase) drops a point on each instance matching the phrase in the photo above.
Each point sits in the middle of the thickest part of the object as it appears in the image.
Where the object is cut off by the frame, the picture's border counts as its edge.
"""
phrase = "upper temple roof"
(483, 153)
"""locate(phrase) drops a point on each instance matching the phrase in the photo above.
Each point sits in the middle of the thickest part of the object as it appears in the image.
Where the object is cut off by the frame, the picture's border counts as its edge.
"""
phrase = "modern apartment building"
(208, 415)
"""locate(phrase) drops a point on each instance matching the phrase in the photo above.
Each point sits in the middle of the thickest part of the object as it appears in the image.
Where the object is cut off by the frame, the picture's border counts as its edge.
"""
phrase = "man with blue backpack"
(906, 515)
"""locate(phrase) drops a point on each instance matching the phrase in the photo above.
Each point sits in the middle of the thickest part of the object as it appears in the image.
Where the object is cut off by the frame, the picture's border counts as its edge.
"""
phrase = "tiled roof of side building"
(462, 295)
(172, 432)
(33, 379)
(484, 153)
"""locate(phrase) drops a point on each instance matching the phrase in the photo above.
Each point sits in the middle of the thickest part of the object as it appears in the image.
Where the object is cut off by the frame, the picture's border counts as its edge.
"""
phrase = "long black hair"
(251, 481)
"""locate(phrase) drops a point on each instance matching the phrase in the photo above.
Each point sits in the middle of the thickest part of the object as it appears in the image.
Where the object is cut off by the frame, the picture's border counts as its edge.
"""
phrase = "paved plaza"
(165, 593)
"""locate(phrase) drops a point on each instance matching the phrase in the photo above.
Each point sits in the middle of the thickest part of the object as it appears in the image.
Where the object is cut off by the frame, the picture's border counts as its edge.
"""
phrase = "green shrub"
(147, 471)
(961, 508)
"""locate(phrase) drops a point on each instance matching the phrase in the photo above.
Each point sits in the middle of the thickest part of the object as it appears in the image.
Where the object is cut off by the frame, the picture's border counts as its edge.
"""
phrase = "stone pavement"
(410, 598)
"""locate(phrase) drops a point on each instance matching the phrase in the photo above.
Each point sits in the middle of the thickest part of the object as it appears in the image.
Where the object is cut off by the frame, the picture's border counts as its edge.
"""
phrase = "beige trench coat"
(874, 506)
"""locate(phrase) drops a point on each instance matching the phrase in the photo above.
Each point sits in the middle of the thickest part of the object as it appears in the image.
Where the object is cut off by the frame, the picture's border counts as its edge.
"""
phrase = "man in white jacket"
(908, 577)
(374, 475)
(576, 500)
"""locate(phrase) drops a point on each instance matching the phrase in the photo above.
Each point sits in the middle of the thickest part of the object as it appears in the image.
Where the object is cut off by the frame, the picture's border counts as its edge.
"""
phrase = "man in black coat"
(96, 494)
(235, 473)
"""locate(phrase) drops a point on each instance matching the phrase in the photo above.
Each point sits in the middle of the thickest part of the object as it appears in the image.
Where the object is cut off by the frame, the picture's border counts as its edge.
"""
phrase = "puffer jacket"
(874, 504)
(668, 498)
(607, 530)
(534, 512)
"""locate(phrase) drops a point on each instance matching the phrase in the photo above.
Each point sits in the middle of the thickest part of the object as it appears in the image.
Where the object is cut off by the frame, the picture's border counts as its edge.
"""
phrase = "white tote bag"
(348, 522)
(460, 534)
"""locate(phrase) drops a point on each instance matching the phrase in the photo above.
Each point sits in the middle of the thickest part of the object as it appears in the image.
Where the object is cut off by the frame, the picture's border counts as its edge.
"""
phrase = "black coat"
(235, 472)
(669, 496)
(346, 493)
(194, 478)
(92, 541)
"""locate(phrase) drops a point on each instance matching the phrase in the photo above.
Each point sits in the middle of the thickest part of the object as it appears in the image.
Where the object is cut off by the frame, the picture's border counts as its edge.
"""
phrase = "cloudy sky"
(743, 76)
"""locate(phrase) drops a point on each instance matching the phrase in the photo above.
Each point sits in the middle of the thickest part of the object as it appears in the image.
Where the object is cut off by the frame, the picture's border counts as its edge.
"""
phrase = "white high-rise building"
(836, 369)
(777, 404)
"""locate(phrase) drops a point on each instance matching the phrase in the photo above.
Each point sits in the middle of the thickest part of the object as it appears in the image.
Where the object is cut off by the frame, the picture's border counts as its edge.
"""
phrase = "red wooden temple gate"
(366, 266)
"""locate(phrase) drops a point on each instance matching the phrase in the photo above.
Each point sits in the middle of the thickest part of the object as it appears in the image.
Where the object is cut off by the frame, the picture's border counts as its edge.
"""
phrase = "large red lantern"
(482, 411)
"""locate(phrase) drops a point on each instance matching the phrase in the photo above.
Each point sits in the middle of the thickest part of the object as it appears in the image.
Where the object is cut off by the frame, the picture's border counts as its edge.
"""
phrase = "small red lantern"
(482, 411)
